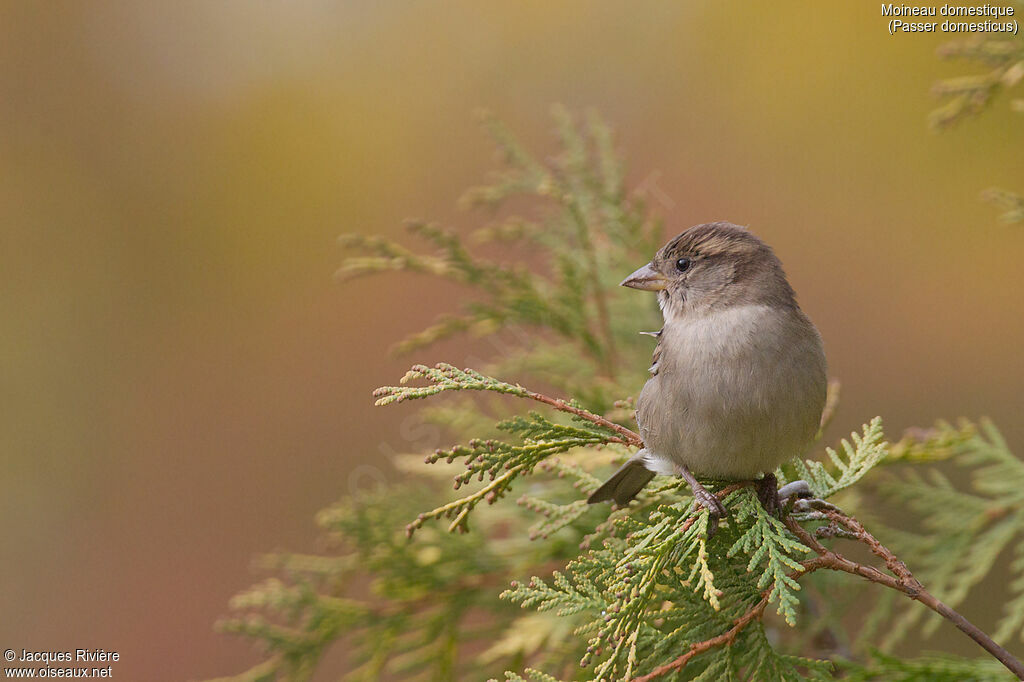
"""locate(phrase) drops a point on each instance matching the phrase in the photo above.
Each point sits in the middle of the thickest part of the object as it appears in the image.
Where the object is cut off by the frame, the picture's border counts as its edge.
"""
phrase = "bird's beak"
(646, 279)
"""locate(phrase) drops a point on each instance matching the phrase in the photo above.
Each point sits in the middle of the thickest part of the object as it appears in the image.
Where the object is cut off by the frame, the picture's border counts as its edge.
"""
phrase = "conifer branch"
(966, 523)
(1012, 203)
(447, 377)
(500, 462)
(902, 579)
(641, 592)
(931, 668)
(856, 460)
(1003, 62)
(725, 639)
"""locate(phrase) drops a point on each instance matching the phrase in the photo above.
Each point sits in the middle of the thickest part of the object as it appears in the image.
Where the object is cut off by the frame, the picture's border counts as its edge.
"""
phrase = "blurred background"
(183, 384)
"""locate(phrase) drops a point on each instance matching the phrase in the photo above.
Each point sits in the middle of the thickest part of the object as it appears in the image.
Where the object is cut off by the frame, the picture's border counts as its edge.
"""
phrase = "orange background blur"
(183, 383)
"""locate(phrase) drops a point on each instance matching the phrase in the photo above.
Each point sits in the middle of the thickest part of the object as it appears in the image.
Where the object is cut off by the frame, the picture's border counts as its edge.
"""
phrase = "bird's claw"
(797, 490)
(833, 530)
(705, 499)
(767, 489)
(716, 510)
(813, 504)
(774, 499)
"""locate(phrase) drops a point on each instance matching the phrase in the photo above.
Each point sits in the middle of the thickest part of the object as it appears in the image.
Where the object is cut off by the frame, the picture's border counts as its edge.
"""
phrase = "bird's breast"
(738, 391)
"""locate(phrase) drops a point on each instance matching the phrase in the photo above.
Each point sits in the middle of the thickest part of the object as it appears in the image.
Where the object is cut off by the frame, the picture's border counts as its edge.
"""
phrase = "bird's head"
(712, 266)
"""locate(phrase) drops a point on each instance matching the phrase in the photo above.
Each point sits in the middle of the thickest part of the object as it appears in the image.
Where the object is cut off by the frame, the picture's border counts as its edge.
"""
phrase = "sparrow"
(738, 377)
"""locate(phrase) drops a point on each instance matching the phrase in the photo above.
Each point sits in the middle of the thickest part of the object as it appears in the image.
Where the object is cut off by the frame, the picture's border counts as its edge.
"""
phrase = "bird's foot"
(774, 499)
(797, 490)
(767, 489)
(709, 501)
(811, 508)
(704, 498)
(814, 507)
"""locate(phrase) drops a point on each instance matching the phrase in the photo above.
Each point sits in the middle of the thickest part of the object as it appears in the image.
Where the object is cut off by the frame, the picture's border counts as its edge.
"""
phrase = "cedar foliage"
(465, 585)
(1002, 62)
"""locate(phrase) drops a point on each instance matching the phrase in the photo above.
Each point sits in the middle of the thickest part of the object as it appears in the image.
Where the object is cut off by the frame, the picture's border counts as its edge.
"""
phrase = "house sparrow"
(738, 379)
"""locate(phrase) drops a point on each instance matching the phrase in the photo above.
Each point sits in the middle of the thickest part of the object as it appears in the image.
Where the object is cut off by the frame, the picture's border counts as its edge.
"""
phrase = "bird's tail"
(625, 483)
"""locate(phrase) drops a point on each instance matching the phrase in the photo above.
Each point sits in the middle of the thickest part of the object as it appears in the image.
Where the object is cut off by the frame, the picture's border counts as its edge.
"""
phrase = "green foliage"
(556, 516)
(857, 459)
(501, 463)
(531, 676)
(1003, 61)
(323, 596)
(587, 228)
(651, 591)
(616, 593)
(773, 552)
(443, 377)
(961, 533)
(883, 668)
(1003, 57)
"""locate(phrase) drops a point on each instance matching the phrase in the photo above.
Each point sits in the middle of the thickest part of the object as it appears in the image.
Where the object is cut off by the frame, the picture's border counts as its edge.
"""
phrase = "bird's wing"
(653, 369)
(643, 401)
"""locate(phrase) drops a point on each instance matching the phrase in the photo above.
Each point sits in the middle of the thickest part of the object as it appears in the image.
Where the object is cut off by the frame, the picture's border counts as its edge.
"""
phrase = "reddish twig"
(628, 437)
(729, 636)
(902, 580)
(724, 639)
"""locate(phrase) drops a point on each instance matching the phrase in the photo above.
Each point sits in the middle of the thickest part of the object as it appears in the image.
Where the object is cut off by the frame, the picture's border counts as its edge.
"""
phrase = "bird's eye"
(683, 264)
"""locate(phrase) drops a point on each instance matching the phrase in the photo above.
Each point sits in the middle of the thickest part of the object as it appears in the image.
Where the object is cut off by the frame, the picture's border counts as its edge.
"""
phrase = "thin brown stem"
(628, 437)
(726, 638)
(902, 580)
(697, 648)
